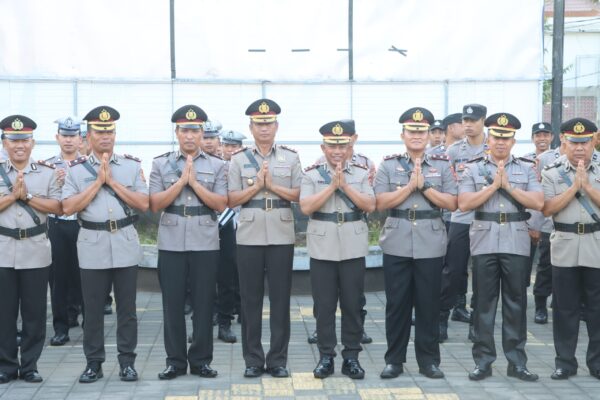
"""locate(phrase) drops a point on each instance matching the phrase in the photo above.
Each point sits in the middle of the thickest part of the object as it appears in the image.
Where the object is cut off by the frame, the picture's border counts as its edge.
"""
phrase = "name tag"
(433, 175)
(89, 179)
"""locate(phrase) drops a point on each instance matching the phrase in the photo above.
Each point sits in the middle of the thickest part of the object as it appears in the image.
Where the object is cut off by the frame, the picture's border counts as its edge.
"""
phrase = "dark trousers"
(65, 282)
(567, 285)
(492, 273)
(198, 270)
(330, 281)
(26, 290)
(543, 276)
(412, 282)
(254, 263)
(363, 311)
(226, 277)
(455, 272)
(95, 285)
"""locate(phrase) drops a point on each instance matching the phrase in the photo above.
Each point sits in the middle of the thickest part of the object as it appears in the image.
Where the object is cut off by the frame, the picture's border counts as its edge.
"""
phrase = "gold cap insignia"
(417, 116)
(190, 115)
(17, 125)
(337, 130)
(502, 120)
(263, 108)
(579, 128)
(104, 115)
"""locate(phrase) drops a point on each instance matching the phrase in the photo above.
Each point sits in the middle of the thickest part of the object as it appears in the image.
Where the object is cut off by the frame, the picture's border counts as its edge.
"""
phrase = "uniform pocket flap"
(391, 223)
(316, 229)
(481, 225)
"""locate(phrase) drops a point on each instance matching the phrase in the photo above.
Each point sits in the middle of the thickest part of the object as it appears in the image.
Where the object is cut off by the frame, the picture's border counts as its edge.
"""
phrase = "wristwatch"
(28, 197)
(426, 185)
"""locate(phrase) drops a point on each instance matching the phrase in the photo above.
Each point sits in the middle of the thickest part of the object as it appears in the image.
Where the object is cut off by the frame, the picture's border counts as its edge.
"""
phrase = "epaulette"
(215, 156)
(310, 167)
(130, 157)
(476, 159)
(46, 164)
(239, 150)
(529, 160)
(455, 143)
(391, 156)
(163, 155)
(553, 165)
(283, 146)
(77, 161)
(438, 156)
(363, 166)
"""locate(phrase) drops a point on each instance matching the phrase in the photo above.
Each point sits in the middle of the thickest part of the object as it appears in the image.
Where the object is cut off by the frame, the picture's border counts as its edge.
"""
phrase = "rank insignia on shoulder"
(363, 166)
(239, 150)
(529, 160)
(476, 159)
(311, 167)
(130, 157)
(77, 161)
(391, 156)
(215, 156)
(46, 164)
(553, 165)
(442, 157)
(288, 148)
(163, 155)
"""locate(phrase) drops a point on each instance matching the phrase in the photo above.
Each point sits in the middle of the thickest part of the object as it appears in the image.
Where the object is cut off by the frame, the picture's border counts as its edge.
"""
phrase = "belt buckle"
(112, 224)
(22, 234)
(580, 228)
(412, 215)
(340, 217)
(268, 203)
(502, 218)
(185, 214)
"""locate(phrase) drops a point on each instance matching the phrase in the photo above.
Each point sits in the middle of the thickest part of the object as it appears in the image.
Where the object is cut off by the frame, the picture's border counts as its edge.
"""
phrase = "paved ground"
(61, 366)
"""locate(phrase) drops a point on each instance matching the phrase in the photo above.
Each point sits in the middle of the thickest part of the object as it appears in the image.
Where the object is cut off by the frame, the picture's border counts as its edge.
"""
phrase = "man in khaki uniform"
(104, 189)
(336, 194)
(572, 197)
(264, 180)
(28, 192)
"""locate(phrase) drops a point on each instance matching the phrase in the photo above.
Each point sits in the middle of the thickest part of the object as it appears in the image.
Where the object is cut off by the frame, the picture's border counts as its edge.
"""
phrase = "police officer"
(413, 187)
(437, 135)
(224, 298)
(499, 187)
(336, 194)
(28, 191)
(454, 129)
(189, 185)
(264, 179)
(572, 197)
(455, 277)
(104, 189)
(65, 283)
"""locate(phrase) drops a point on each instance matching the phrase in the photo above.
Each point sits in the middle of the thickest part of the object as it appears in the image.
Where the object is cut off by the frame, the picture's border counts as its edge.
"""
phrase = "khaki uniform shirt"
(59, 163)
(570, 249)
(330, 240)
(256, 226)
(33, 252)
(103, 249)
(423, 238)
(460, 153)
(196, 233)
(488, 237)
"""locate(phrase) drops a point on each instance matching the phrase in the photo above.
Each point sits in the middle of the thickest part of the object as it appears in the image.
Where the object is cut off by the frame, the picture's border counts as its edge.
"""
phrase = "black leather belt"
(112, 225)
(502, 217)
(577, 227)
(267, 204)
(191, 211)
(413, 215)
(338, 217)
(20, 234)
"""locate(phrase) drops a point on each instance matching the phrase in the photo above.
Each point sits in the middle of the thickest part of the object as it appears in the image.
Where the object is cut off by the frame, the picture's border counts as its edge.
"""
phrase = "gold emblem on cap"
(579, 128)
(417, 116)
(337, 130)
(502, 120)
(191, 114)
(264, 108)
(104, 115)
(17, 125)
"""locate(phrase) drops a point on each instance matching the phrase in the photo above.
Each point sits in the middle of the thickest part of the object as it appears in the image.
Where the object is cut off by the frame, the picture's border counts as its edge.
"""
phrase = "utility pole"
(558, 36)
(172, 35)
(350, 40)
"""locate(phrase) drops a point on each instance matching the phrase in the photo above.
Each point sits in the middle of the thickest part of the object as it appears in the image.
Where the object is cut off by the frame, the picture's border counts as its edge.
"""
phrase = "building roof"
(574, 8)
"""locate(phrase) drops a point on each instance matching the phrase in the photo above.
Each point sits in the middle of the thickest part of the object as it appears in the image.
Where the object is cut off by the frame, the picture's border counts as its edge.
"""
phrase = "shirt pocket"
(286, 214)
(206, 220)
(391, 223)
(518, 181)
(246, 215)
(88, 236)
(168, 219)
(248, 178)
(398, 181)
(282, 175)
(480, 182)
(169, 179)
(316, 229)
(206, 179)
(481, 226)
(360, 227)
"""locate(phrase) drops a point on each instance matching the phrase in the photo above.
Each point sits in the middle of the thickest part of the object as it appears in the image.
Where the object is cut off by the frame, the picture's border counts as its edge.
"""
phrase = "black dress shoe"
(128, 373)
(324, 368)
(5, 377)
(365, 339)
(107, 309)
(59, 339)
(31, 376)
(205, 371)
(432, 371)
(595, 373)
(561, 374)
(521, 372)
(351, 368)
(225, 334)
(253, 372)
(460, 314)
(92, 373)
(480, 373)
(171, 372)
(278, 372)
(312, 339)
(541, 316)
(391, 371)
